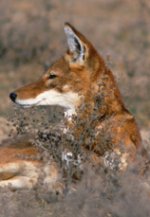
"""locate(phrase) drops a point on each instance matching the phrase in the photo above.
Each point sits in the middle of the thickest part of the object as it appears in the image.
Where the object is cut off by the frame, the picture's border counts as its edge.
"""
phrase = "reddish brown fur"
(9, 154)
(92, 80)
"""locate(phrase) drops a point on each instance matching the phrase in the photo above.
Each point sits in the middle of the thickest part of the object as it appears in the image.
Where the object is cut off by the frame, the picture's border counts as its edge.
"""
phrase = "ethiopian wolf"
(78, 78)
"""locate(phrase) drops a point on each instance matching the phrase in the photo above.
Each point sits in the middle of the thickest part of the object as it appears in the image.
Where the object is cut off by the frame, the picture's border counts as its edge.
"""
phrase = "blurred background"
(32, 36)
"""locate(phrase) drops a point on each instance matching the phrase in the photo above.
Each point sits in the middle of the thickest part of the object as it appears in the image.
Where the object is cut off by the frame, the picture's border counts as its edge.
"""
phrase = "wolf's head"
(70, 80)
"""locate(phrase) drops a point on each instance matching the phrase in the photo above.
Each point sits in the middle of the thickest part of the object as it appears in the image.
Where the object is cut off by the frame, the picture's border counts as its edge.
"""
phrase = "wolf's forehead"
(60, 65)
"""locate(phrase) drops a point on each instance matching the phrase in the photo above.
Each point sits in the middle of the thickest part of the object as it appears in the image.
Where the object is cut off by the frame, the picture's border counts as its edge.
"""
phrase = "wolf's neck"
(104, 100)
(108, 97)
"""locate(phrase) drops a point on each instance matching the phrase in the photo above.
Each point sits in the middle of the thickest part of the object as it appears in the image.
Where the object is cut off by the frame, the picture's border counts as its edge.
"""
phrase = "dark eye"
(52, 76)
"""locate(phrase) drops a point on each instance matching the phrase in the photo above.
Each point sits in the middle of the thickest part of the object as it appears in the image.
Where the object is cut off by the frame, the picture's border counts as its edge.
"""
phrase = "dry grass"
(100, 192)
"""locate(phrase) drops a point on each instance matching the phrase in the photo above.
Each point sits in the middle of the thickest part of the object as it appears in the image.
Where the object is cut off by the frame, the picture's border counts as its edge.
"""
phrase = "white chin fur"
(67, 100)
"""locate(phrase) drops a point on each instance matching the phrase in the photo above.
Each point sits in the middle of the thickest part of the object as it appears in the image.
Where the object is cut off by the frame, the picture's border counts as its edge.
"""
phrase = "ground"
(31, 38)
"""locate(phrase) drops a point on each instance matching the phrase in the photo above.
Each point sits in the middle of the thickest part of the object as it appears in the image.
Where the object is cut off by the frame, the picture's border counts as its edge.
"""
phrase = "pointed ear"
(76, 44)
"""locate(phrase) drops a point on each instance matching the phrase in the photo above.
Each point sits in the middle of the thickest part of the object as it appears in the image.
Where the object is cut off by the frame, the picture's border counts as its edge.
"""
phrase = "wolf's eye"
(52, 76)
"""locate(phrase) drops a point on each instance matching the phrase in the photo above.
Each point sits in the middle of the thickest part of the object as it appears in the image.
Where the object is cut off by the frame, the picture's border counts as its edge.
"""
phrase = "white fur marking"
(67, 100)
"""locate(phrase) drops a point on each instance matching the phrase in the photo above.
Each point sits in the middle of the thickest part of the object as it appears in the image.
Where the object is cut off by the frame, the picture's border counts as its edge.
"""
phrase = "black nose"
(13, 96)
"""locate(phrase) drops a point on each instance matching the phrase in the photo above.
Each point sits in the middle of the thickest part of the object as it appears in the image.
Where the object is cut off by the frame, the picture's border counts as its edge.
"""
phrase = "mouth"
(26, 105)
